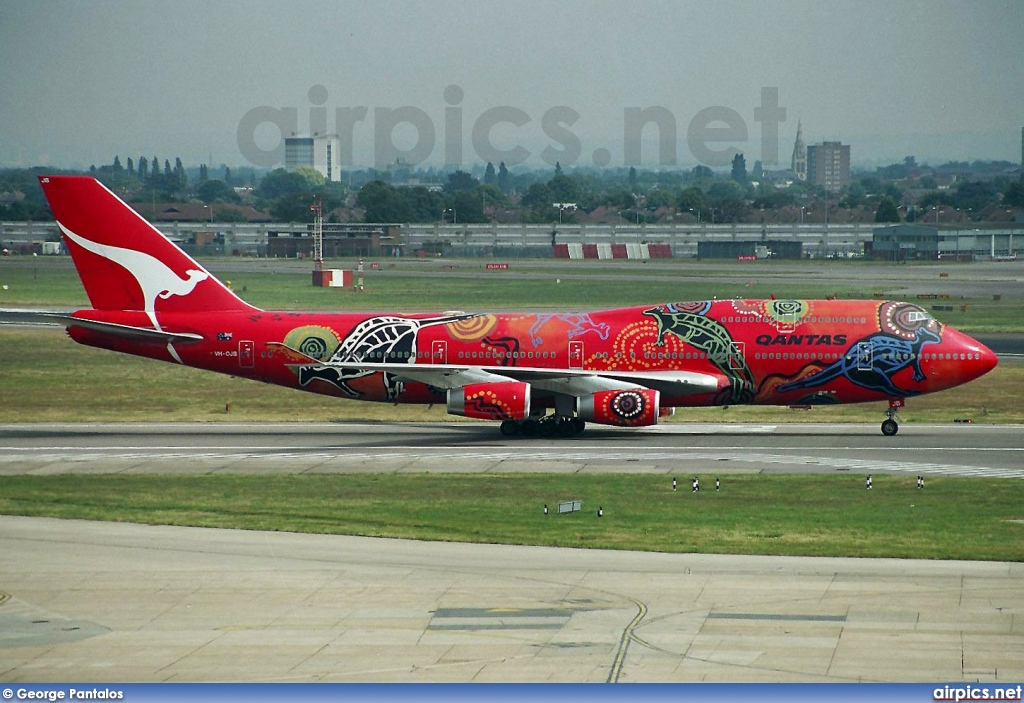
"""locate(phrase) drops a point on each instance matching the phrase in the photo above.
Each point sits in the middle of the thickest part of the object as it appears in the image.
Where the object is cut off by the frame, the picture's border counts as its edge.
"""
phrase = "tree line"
(490, 192)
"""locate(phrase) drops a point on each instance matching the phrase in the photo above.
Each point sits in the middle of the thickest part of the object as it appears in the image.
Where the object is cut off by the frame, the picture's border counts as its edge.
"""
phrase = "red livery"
(537, 373)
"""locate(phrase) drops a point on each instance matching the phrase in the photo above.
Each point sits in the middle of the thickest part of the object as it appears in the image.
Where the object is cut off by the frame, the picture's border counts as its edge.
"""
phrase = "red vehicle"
(536, 373)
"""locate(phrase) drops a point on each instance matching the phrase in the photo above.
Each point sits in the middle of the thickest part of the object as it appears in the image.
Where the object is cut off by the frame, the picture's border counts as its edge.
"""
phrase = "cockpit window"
(918, 316)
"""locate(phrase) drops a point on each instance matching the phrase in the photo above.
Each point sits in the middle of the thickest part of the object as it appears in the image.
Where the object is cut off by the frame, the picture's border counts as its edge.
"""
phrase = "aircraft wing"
(577, 382)
(127, 331)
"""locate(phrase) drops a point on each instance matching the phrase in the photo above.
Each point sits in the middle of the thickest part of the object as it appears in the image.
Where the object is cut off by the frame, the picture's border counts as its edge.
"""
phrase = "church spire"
(799, 164)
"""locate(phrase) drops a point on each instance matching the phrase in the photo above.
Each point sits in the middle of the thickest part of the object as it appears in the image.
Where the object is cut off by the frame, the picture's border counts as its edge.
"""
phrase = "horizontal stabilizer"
(112, 328)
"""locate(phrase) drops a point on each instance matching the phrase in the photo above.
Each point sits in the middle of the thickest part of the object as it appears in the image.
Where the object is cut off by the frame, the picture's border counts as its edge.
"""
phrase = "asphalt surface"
(108, 602)
(954, 449)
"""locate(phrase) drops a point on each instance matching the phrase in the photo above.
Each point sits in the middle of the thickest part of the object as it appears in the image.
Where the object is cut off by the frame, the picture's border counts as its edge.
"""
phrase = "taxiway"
(965, 450)
(130, 603)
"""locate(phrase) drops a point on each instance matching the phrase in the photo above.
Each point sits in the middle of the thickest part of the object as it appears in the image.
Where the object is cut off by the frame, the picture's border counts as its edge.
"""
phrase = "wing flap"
(579, 383)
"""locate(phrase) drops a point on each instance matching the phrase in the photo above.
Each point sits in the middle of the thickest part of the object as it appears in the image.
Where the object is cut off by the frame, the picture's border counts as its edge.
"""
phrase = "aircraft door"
(575, 354)
(736, 355)
(864, 356)
(439, 351)
(246, 354)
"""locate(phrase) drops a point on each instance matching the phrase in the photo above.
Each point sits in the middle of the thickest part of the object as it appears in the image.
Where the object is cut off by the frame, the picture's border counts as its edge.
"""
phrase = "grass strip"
(769, 514)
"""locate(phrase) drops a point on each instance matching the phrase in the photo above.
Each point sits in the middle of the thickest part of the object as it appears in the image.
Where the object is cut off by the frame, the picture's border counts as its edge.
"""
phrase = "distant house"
(195, 212)
(603, 215)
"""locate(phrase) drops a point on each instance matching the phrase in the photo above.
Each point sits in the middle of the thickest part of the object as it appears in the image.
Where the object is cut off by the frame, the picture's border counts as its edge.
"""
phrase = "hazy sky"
(83, 81)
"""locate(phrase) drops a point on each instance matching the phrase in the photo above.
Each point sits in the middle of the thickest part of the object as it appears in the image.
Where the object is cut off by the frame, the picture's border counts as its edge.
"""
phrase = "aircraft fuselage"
(767, 352)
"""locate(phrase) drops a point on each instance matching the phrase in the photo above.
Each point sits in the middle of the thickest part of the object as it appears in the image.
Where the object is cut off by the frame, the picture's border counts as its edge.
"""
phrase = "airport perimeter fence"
(494, 240)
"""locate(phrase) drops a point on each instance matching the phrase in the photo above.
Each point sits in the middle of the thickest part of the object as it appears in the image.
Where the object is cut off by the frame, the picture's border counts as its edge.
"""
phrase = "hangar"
(340, 240)
(761, 249)
(963, 241)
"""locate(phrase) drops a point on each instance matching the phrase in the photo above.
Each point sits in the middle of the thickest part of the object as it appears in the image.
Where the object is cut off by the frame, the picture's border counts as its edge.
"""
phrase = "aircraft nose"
(988, 358)
(979, 358)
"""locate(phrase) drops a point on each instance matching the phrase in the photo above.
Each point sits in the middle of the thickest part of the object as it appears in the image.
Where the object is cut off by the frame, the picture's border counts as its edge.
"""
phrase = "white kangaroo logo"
(154, 277)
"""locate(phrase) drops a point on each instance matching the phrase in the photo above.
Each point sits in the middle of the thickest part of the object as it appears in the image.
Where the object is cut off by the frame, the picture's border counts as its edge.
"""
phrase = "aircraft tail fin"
(124, 262)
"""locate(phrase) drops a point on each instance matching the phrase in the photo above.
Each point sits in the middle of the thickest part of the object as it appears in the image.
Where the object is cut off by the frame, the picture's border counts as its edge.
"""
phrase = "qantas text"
(835, 340)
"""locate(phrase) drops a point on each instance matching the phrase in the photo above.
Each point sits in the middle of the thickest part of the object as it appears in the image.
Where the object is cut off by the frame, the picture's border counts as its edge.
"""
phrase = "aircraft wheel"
(578, 425)
(566, 427)
(890, 428)
(509, 428)
(548, 428)
(529, 428)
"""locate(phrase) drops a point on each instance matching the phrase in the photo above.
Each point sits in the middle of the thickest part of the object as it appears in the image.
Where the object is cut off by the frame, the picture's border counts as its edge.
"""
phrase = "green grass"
(40, 282)
(424, 285)
(501, 291)
(816, 515)
(53, 282)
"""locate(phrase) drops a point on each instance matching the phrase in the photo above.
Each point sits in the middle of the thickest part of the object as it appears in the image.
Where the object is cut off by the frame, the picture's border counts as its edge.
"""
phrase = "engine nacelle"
(635, 407)
(491, 401)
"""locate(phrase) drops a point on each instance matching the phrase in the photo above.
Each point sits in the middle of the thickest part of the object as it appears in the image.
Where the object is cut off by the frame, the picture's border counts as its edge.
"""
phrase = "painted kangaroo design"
(154, 277)
(888, 356)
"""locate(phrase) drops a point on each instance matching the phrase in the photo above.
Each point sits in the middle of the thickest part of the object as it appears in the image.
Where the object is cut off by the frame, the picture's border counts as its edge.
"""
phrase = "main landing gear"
(546, 426)
(889, 426)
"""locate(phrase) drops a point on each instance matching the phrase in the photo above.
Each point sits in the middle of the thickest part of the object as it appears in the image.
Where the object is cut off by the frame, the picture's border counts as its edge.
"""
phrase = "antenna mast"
(318, 234)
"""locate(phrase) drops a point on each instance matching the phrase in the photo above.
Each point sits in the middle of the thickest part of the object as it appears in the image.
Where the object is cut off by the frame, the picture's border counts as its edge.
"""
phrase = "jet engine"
(634, 407)
(508, 400)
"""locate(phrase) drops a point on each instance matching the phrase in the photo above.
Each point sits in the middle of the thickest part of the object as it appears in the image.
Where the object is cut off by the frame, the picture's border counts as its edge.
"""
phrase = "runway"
(962, 450)
(106, 602)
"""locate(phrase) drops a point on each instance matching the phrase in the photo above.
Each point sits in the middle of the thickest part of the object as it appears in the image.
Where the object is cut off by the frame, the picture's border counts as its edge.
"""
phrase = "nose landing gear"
(889, 426)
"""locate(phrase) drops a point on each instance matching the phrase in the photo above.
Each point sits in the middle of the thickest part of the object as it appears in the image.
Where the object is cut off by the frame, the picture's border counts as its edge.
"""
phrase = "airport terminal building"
(962, 241)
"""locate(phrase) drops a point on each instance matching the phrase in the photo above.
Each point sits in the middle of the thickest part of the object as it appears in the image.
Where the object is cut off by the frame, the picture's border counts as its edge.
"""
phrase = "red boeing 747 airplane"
(536, 373)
